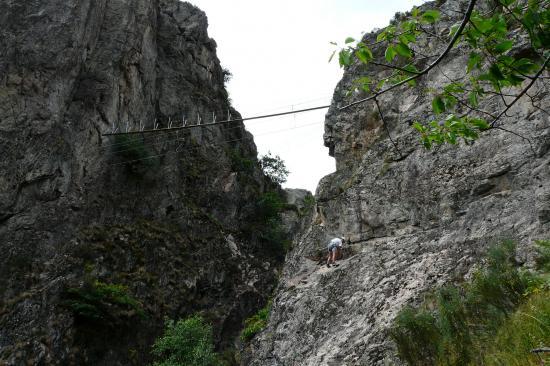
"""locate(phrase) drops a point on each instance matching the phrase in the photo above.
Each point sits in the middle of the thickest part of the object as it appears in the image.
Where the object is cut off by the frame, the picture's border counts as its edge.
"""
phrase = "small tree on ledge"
(274, 168)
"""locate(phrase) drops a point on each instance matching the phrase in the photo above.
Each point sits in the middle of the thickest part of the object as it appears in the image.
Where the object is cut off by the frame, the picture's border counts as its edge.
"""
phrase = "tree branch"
(450, 46)
(395, 67)
(522, 92)
(520, 136)
(536, 106)
(473, 109)
(386, 126)
(529, 30)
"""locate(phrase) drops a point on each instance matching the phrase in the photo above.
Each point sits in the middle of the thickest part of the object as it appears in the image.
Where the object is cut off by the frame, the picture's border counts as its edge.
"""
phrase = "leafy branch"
(499, 64)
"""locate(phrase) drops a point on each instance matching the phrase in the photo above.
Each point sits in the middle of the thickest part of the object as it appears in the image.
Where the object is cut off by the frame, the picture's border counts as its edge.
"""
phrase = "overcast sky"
(278, 54)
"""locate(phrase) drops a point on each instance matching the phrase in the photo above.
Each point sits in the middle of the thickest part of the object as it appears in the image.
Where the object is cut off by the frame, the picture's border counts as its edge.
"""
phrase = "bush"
(109, 304)
(526, 329)
(187, 342)
(413, 327)
(256, 323)
(267, 224)
(309, 201)
(543, 258)
(274, 168)
(239, 163)
(458, 326)
(269, 206)
(227, 75)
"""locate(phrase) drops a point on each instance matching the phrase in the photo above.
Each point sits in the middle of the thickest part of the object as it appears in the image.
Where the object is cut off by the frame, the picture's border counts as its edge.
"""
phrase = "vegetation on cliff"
(107, 304)
(496, 318)
(256, 323)
(187, 342)
(274, 167)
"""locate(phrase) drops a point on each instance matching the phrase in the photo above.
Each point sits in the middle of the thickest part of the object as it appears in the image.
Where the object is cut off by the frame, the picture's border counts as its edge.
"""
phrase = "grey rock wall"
(417, 219)
(164, 215)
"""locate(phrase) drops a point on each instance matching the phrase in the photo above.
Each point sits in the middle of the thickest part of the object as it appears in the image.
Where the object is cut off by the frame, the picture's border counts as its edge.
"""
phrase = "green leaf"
(364, 54)
(472, 98)
(419, 127)
(349, 40)
(496, 73)
(524, 65)
(480, 123)
(499, 26)
(514, 79)
(390, 53)
(407, 26)
(407, 38)
(390, 30)
(403, 50)
(411, 68)
(381, 37)
(431, 16)
(451, 137)
(503, 46)
(344, 58)
(454, 88)
(450, 101)
(505, 60)
(482, 25)
(473, 61)
(364, 83)
(438, 105)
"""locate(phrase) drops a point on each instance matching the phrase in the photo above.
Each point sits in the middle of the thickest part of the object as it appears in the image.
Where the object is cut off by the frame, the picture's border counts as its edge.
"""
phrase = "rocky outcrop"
(417, 218)
(102, 238)
(297, 213)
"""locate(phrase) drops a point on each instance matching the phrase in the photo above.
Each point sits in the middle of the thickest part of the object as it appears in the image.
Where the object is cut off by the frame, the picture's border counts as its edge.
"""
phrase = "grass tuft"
(256, 323)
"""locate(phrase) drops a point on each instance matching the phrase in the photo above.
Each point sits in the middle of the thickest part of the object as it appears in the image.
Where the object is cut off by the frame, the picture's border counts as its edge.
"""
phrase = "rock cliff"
(417, 218)
(102, 238)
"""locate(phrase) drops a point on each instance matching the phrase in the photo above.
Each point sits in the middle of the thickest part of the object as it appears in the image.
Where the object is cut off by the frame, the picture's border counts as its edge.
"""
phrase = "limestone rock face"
(417, 219)
(165, 215)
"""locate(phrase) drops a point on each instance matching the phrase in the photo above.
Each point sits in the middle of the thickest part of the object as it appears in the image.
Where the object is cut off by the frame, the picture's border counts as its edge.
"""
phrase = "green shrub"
(230, 357)
(500, 286)
(309, 201)
(543, 258)
(107, 303)
(274, 238)
(256, 323)
(459, 325)
(239, 163)
(187, 342)
(413, 328)
(527, 328)
(274, 168)
(269, 206)
(264, 225)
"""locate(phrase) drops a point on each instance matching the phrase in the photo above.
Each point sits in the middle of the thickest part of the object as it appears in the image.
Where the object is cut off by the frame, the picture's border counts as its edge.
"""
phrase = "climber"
(335, 250)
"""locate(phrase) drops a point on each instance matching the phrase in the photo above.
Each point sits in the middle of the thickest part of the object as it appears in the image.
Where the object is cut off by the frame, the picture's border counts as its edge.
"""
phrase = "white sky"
(278, 54)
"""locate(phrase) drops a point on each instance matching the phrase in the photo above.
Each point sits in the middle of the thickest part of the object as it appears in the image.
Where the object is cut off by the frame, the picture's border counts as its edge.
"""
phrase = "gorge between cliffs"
(104, 238)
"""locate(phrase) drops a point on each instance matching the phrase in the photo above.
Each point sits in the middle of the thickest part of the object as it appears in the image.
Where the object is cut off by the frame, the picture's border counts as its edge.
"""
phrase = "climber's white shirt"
(336, 242)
